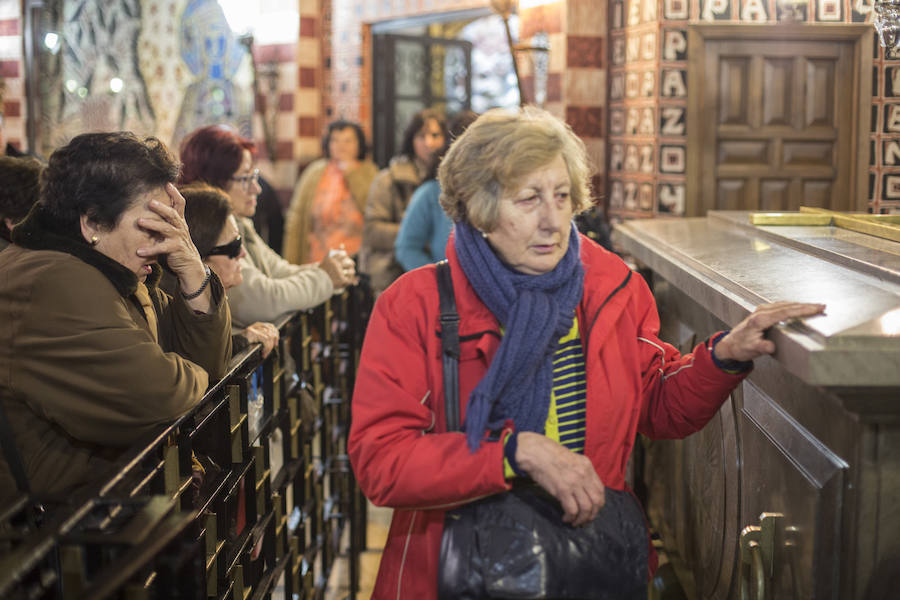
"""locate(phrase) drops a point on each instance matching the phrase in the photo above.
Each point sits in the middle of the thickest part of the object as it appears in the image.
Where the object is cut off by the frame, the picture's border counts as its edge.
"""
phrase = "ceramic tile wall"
(648, 98)
(293, 105)
(584, 80)
(11, 72)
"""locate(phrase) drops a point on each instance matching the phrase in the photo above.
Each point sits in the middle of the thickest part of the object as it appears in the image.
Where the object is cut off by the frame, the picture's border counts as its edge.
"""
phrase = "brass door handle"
(758, 544)
(791, 549)
(758, 570)
(752, 561)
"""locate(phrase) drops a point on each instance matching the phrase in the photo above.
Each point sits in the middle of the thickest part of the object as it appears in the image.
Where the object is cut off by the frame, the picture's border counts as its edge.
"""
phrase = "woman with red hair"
(219, 156)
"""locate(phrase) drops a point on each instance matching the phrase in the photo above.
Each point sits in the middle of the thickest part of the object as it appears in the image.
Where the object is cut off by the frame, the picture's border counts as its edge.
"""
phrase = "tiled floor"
(379, 519)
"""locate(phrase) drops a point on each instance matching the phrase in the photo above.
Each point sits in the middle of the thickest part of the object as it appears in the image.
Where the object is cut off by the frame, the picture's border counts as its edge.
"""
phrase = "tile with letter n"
(890, 155)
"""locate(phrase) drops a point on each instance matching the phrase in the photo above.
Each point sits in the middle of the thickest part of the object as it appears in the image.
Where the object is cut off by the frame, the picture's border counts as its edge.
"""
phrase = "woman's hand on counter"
(747, 340)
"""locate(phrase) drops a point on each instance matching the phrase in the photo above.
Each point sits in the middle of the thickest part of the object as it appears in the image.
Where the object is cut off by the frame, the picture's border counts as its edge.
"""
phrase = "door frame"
(862, 36)
(384, 93)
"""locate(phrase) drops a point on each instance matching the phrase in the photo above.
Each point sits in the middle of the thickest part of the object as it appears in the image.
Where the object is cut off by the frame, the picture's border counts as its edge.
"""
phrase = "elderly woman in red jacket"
(559, 365)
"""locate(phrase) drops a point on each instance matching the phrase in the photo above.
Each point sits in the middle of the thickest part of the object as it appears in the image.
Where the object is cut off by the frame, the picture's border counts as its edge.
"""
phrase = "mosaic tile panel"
(168, 77)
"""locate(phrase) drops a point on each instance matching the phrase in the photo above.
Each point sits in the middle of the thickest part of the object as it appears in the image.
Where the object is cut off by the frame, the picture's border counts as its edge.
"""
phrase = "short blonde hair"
(494, 154)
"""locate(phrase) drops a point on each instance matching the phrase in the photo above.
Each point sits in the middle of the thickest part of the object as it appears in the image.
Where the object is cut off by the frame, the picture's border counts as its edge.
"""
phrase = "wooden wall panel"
(754, 120)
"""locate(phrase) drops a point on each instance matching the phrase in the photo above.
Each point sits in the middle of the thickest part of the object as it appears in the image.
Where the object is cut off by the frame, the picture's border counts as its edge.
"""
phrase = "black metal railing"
(246, 496)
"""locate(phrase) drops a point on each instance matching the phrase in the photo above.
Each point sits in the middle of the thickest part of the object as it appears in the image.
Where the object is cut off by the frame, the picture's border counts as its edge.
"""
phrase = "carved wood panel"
(777, 117)
(787, 470)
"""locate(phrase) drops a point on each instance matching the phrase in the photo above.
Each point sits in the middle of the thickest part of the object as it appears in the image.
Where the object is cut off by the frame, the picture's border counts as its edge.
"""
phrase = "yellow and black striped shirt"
(566, 416)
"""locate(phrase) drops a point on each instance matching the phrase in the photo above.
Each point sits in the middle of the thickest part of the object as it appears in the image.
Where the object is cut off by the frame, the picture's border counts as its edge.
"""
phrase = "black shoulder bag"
(515, 544)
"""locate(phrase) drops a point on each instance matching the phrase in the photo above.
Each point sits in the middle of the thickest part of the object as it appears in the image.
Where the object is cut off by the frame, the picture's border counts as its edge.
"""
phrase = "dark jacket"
(391, 191)
(81, 377)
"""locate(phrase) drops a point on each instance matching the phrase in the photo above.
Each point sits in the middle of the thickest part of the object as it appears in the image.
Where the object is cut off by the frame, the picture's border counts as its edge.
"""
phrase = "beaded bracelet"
(202, 285)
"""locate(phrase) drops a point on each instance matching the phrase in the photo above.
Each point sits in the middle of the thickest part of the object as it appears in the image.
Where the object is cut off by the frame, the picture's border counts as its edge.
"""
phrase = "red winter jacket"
(399, 448)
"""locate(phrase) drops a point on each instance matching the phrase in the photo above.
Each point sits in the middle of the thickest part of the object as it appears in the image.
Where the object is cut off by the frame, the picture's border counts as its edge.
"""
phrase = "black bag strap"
(11, 452)
(449, 344)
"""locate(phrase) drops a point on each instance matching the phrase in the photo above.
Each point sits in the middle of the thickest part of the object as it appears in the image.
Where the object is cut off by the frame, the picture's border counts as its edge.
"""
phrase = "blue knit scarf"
(536, 311)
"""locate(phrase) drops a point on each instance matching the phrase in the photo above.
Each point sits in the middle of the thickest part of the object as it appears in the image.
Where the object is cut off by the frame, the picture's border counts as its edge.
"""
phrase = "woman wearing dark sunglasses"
(215, 234)
(219, 156)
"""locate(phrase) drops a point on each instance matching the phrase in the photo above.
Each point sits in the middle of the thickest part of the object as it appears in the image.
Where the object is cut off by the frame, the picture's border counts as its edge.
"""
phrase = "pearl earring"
(94, 240)
(484, 235)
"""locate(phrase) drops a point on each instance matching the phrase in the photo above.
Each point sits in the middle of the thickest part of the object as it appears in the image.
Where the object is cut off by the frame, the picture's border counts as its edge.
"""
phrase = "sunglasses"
(232, 249)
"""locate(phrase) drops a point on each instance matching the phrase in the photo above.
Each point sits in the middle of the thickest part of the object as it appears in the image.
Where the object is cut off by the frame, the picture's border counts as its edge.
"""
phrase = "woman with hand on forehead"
(100, 354)
(215, 233)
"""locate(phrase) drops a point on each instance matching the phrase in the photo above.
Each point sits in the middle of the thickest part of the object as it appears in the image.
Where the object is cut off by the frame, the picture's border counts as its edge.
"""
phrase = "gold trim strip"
(796, 219)
(859, 223)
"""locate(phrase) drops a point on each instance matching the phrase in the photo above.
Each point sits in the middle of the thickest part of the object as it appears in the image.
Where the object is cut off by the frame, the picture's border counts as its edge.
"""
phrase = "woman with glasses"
(214, 231)
(219, 156)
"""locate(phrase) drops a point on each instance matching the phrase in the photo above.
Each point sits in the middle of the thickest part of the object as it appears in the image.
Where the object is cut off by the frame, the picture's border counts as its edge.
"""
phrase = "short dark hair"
(418, 121)
(99, 175)
(206, 208)
(341, 125)
(213, 154)
(20, 180)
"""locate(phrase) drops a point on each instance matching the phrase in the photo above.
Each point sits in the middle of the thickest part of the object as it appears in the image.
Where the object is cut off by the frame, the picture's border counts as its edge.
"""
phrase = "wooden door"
(778, 116)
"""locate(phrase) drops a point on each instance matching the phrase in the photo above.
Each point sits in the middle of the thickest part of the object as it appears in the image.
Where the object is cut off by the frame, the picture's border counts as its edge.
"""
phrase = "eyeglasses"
(247, 180)
(232, 249)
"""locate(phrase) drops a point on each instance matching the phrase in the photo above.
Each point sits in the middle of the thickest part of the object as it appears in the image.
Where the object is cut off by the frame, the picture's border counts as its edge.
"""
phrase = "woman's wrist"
(722, 358)
(197, 285)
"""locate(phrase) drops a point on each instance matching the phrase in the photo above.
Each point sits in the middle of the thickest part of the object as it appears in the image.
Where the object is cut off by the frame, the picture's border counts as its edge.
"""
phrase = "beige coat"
(298, 220)
(272, 286)
(388, 197)
(81, 377)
